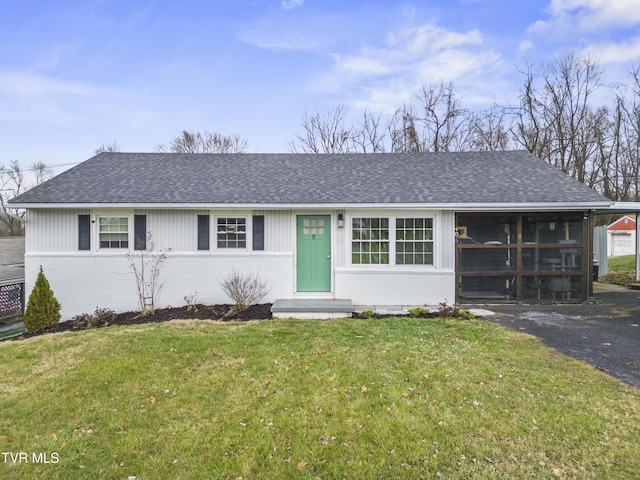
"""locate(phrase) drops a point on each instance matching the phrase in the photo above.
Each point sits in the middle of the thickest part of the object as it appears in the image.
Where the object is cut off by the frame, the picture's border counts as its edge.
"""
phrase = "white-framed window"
(414, 241)
(113, 232)
(369, 241)
(231, 232)
(390, 240)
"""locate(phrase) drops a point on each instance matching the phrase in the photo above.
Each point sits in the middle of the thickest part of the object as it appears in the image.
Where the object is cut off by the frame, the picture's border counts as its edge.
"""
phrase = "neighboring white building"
(621, 237)
(378, 229)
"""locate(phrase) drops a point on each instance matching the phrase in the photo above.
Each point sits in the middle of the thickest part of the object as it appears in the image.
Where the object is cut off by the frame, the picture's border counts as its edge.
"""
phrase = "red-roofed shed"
(621, 237)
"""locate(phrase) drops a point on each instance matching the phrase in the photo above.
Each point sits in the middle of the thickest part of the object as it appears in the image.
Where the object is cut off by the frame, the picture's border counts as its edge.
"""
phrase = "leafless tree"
(623, 175)
(403, 131)
(324, 134)
(205, 142)
(439, 122)
(333, 133)
(14, 180)
(107, 147)
(489, 131)
(445, 120)
(369, 135)
(556, 119)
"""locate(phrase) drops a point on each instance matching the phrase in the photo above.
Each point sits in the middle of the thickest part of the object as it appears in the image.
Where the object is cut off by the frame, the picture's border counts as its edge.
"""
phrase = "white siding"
(175, 229)
(52, 230)
(445, 241)
(57, 230)
(278, 230)
(341, 248)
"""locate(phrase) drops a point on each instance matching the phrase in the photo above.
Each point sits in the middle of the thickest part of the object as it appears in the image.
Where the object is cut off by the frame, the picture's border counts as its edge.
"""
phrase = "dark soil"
(222, 313)
(198, 312)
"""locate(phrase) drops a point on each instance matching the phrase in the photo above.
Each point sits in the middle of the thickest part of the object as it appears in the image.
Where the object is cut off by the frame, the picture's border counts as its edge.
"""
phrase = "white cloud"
(621, 52)
(26, 84)
(27, 96)
(524, 46)
(287, 36)
(384, 77)
(588, 15)
(290, 4)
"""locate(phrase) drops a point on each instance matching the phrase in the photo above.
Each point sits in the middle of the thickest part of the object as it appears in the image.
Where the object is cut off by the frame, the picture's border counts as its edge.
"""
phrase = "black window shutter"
(203, 232)
(140, 232)
(84, 232)
(258, 232)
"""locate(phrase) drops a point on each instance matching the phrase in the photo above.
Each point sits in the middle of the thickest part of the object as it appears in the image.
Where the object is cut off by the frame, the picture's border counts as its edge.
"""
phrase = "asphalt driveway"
(604, 332)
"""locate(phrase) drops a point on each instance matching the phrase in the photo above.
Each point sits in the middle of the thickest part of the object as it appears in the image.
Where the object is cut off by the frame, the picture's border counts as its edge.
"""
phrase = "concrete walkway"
(604, 332)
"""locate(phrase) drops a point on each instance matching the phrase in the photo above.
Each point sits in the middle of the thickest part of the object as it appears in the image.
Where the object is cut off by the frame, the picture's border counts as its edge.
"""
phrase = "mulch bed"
(220, 313)
(200, 312)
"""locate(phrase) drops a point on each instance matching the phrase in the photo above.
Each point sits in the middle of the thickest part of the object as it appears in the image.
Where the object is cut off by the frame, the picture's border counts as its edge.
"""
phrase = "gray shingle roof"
(283, 179)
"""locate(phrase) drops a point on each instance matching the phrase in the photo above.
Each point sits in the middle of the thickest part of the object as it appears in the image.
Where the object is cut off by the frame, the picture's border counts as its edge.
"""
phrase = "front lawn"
(621, 270)
(392, 398)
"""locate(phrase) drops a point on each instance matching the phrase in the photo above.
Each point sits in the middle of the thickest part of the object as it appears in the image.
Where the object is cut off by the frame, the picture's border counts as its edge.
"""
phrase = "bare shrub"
(146, 265)
(245, 289)
(102, 317)
(191, 301)
(453, 311)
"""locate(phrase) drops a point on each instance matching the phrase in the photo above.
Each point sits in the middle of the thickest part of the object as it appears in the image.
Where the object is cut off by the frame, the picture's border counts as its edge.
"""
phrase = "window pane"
(113, 232)
(414, 241)
(370, 241)
(231, 232)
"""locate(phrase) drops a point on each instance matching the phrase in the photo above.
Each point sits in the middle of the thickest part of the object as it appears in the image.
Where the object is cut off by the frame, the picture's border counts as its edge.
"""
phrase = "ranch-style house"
(377, 229)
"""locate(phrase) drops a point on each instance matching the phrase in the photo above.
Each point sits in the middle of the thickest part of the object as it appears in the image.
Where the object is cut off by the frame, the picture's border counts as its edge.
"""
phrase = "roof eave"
(458, 207)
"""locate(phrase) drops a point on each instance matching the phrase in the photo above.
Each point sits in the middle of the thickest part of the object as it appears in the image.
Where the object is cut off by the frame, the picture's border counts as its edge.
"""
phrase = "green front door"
(314, 253)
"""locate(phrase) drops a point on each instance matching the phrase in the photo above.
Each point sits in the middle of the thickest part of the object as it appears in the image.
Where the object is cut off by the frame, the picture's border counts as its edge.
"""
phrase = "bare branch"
(205, 142)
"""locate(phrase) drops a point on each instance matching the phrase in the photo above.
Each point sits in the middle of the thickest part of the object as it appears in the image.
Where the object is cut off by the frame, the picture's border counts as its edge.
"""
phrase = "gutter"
(458, 207)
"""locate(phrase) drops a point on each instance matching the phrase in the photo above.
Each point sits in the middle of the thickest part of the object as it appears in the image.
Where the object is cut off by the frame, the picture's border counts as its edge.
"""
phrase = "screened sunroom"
(537, 257)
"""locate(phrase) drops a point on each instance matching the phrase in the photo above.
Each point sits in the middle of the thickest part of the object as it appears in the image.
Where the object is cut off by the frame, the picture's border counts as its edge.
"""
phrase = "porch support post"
(587, 255)
(519, 269)
(637, 277)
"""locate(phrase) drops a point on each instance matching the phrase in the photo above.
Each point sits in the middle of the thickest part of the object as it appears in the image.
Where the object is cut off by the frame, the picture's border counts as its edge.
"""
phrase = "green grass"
(621, 270)
(624, 263)
(394, 398)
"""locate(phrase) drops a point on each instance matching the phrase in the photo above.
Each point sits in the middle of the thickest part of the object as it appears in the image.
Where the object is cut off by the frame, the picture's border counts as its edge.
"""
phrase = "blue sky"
(78, 74)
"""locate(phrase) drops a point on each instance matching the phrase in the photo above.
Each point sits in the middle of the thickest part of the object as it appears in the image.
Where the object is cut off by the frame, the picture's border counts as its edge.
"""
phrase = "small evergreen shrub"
(102, 317)
(43, 310)
(367, 314)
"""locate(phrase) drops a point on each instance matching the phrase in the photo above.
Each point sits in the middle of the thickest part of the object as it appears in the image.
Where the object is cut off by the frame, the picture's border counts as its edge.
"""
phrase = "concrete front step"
(312, 308)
